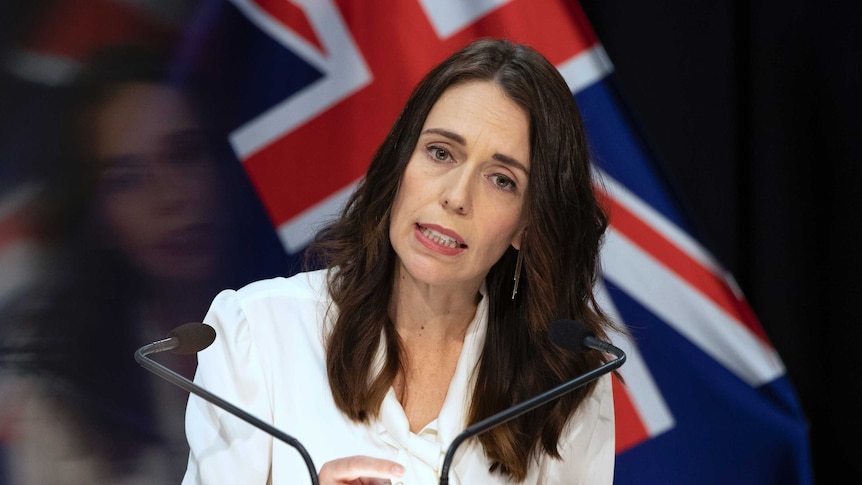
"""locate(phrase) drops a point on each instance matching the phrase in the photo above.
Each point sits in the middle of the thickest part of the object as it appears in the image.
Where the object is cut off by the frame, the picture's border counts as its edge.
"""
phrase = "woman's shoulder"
(310, 285)
(300, 296)
(272, 309)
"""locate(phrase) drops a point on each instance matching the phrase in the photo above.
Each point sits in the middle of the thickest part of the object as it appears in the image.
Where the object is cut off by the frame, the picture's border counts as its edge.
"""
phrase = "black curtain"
(752, 109)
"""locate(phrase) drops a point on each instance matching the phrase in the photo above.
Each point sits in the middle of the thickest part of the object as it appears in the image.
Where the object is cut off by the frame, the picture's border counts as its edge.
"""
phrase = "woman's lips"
(439, 239)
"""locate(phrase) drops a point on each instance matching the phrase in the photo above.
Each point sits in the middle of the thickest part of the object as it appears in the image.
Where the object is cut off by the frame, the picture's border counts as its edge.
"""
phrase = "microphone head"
(569, 334)
(192, 337)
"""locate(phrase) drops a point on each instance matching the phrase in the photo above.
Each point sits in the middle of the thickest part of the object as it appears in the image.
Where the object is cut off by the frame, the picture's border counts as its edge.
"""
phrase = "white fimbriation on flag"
(449, 16)
(641, 387)
(586, 68)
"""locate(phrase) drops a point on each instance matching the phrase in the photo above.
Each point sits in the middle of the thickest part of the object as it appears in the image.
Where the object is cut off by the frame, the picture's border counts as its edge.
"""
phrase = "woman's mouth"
(440, 238)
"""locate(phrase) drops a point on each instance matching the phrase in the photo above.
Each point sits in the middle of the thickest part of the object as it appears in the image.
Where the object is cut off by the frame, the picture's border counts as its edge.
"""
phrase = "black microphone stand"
(178, 380)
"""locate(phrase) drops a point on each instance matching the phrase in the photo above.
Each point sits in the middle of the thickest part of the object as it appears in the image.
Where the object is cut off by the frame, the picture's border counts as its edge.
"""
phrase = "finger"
(375, 481)
(354, 467)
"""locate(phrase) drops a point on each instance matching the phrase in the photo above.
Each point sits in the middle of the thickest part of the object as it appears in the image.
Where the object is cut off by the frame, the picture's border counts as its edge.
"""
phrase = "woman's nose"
(457, 193)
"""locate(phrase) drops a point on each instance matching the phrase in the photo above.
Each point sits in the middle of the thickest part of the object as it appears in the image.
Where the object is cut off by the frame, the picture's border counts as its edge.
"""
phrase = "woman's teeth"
(439, 238)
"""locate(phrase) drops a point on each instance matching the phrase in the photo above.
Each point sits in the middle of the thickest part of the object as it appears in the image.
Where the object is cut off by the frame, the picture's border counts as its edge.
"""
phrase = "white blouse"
(268, 359)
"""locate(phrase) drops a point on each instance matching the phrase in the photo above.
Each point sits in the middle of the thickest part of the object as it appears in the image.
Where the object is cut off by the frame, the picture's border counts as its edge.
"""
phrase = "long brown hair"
(560, 248)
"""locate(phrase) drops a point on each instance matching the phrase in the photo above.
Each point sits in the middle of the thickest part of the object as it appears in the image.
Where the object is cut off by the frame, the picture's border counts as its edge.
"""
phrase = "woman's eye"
(503, 182)
(439, 154)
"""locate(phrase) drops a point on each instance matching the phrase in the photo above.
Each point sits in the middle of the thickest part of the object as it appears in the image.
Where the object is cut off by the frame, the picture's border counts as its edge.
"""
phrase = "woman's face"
(157, 182)
(461, 199)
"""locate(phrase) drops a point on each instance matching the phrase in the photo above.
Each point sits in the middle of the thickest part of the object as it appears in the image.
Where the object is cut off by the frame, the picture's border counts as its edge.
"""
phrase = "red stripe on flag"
(630, 430)
(17, 226)
(10, 233)
(74, 28)
(293, 18)
(701, 278)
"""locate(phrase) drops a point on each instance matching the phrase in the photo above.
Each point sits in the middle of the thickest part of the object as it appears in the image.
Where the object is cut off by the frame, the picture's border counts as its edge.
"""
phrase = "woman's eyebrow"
(448, 134)
(461, 141)
(511, 162)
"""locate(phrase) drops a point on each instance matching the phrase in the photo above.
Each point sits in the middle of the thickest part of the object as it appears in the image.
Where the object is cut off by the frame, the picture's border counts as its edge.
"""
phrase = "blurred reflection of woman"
(140, 229)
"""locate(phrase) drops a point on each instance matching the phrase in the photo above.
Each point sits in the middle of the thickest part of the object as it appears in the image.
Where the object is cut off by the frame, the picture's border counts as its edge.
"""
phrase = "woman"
(474, 228)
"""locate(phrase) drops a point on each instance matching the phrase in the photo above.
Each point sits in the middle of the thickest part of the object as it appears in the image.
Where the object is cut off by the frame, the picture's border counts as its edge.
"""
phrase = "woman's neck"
(430, 312)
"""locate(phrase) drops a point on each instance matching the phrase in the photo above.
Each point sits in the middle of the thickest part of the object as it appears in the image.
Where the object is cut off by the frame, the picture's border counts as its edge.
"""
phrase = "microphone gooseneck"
(191, 338)
(568, 334)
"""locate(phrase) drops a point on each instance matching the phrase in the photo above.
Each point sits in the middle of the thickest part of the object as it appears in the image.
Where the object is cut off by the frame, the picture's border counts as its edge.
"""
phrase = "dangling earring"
(517, 277)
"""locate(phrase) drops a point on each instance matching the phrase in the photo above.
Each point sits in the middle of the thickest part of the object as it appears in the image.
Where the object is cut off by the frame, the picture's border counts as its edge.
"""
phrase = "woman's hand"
(360, 470)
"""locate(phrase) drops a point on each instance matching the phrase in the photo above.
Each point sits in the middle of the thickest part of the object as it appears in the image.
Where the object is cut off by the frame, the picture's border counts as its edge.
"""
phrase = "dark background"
(752, 111)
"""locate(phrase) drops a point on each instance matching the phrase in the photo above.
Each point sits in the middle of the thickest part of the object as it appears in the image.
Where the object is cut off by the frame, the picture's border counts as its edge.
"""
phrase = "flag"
(311, 88)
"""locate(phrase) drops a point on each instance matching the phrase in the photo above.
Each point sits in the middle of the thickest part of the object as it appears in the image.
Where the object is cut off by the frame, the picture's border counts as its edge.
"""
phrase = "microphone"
(568, 334)
(572, 335)
(191, 338)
